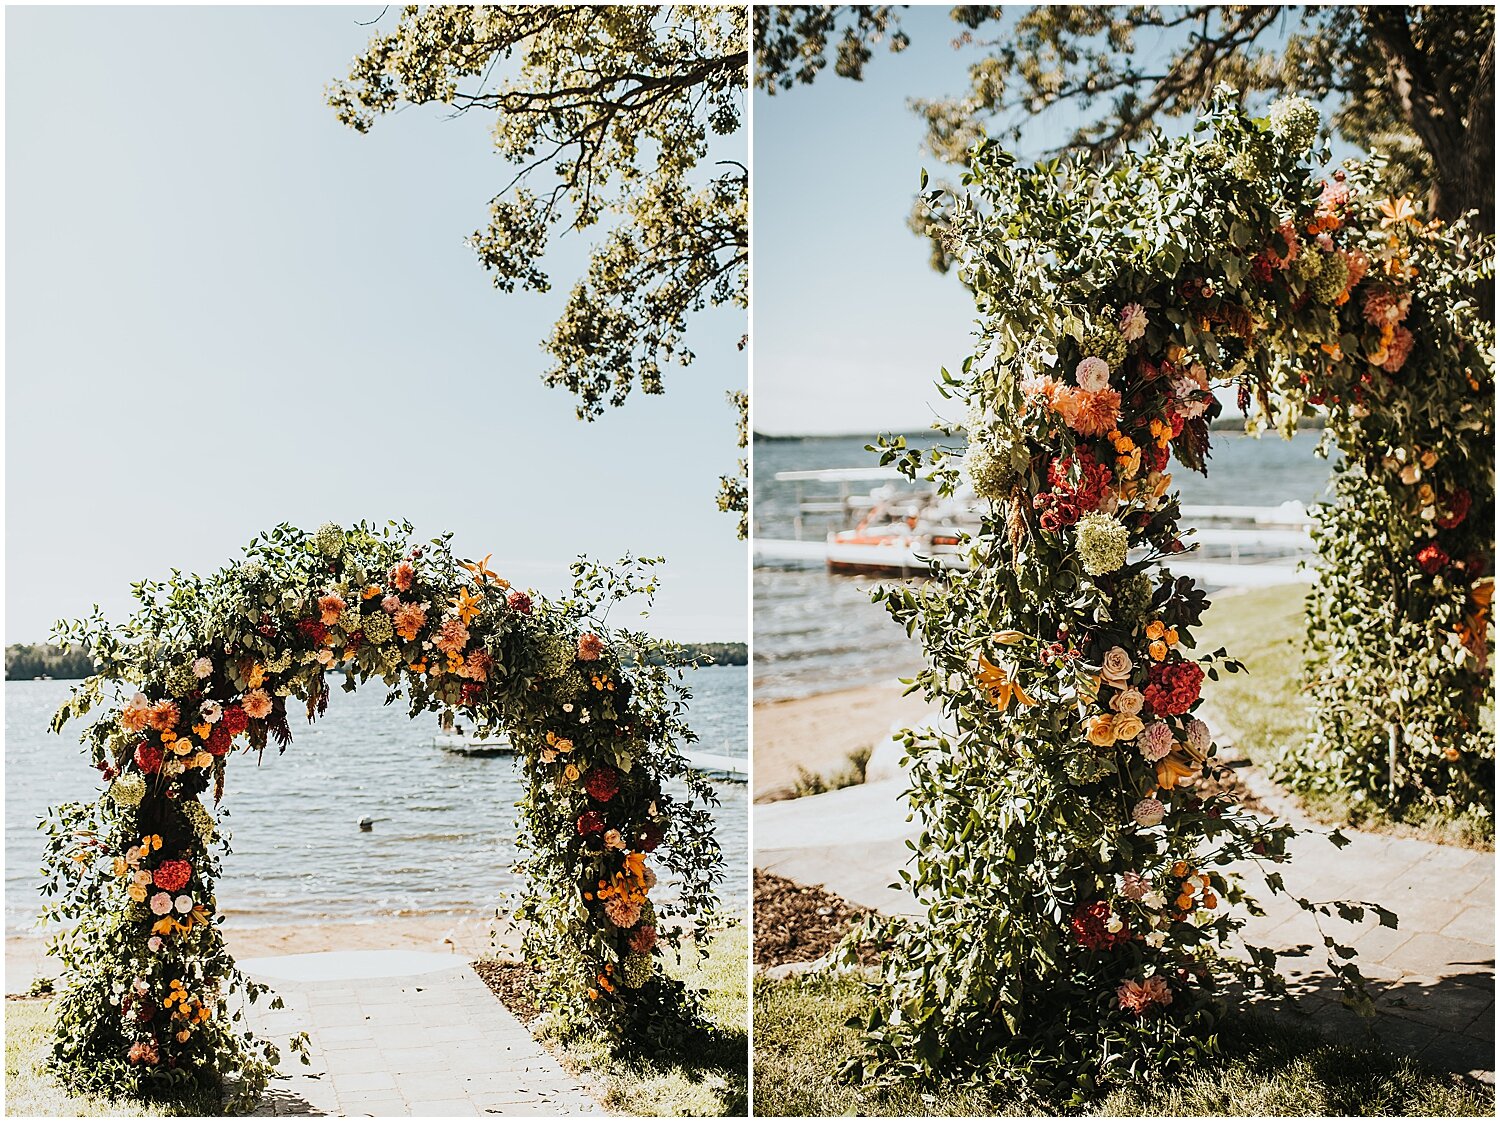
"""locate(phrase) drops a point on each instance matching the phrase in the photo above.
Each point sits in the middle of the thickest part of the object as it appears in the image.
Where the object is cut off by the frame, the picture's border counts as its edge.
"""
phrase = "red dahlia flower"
(148, 757)
(1173, 687)
(234, 721)
(314, 630)
(1090, 927)
(1432, 559)
(172, 876)
(590, 822)
(602, 783)
(218, 741)
(590, 647)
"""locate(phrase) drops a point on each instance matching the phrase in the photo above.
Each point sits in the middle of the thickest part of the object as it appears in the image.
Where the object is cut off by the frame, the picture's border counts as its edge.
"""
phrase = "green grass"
(1268, 1068)
(708, 1081)
(31, 1090)
(850, 775)
(1265, 709)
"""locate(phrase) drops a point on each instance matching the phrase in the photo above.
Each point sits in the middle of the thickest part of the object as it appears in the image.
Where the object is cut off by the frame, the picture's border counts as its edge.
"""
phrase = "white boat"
(731, 769)
(900, 533)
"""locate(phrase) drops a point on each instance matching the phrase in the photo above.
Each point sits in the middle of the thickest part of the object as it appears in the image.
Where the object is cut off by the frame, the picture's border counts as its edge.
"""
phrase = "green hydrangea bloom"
(1102, 544)
(987, 463)
(1296, 121)
(199, 818)
(636, 970)
(128, 790)
(181, 680)
(557, 655)
(1332, 278)
(349, 620)
(1104, 340)
(378, 628)
(329, 539)
(1133, 597)
(1252, 163)
(279, 663)
(1307, 265)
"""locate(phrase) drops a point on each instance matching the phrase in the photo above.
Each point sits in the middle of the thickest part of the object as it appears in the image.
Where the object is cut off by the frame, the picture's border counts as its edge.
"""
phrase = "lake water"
(445, 824)
(815, 632)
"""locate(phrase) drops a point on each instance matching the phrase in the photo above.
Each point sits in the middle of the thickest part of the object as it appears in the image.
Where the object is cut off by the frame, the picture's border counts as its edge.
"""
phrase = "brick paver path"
(1433, 977)
(434, 1044)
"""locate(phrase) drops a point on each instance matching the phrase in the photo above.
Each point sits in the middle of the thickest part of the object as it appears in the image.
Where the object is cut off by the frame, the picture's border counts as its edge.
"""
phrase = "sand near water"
(818, 733)
(25, 955)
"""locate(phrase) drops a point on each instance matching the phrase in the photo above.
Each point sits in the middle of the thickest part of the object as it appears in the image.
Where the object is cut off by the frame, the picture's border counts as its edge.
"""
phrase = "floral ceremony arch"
(1075, 879)
(206, 666)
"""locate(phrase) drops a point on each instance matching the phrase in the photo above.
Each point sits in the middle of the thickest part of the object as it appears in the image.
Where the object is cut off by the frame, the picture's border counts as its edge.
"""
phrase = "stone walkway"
(431, 1041)
(1433, 978)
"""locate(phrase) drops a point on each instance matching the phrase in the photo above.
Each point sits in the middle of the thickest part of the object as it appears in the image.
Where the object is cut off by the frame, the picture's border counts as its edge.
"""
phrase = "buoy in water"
(367, 824)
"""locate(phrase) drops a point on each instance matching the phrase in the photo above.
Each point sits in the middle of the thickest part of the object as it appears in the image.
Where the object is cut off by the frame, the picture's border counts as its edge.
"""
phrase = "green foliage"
(45, 660)
(612, 117)
(149, 996)
(1073, 886)
(791, 42)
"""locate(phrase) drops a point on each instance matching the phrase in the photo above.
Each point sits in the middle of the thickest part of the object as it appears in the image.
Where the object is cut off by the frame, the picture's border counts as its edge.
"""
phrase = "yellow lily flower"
(1173, 769)
(467, 605)
(1000, 685)
(482, 570)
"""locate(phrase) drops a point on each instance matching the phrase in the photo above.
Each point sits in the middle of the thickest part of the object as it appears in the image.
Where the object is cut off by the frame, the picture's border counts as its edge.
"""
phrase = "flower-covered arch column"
(211, 668)
(1077, 865)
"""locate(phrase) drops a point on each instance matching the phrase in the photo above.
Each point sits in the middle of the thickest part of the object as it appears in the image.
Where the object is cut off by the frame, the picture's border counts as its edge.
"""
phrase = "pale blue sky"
(225, 310)
(851, 323)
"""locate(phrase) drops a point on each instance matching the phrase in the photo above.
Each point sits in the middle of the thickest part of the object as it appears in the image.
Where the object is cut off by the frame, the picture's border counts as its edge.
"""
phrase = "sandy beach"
(818, 733)
(25, 957)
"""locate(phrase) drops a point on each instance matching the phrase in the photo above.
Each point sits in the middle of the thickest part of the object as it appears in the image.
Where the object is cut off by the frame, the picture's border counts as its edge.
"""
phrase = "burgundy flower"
(314, 630)
(1432, 559)
(1453, 509)
(148, 757)
(648, 837)
(602, 783)
(590, 823)
(218, 742)
(1091, 927)
(1173, 687)
(234, 721)
(519, 601)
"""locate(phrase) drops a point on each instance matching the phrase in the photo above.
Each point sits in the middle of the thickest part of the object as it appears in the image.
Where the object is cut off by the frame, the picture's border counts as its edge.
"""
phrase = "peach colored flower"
(1088, 414)
(623, 911)
(136, 714)
(1127, 726)
(1117, 667)
(409, 620)
(329, 608)
(451, 636)
(477, 666)
(390, 603)
(402, 576)
(257, 704)
(164, 716)
(590, 647)
(1128, 702)
(1092, 375)
(1037, 390)
(1140, 997)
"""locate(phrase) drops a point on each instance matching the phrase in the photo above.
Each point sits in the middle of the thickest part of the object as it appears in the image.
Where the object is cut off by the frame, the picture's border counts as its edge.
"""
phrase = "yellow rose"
(136, 893)
(1158, 650)
(1127, 726)
(1156, 629)
(571, 773)
(1101, 732)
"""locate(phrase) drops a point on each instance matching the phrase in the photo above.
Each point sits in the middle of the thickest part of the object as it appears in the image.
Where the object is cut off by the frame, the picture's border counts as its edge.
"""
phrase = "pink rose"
(161, 904)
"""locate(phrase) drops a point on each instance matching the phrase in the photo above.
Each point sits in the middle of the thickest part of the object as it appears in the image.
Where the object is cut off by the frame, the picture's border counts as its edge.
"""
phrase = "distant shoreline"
(1234, 423)
(32, 662)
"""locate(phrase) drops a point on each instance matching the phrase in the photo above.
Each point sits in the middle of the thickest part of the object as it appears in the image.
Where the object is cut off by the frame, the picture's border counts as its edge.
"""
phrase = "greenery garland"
(147, 998)
(1077, 864)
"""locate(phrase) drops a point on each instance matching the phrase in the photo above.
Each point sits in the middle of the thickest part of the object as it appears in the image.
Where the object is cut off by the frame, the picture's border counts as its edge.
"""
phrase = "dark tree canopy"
(614, 119)
(1416, 82)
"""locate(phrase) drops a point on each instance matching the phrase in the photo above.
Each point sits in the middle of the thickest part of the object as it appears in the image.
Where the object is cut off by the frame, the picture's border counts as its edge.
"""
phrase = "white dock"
(731, 769)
